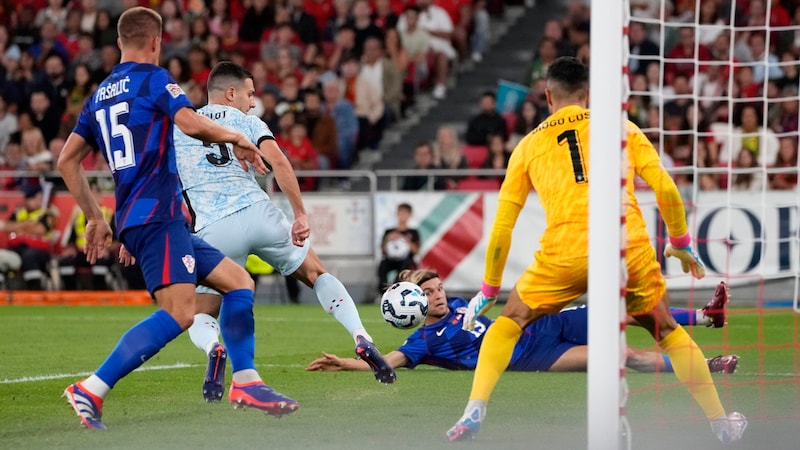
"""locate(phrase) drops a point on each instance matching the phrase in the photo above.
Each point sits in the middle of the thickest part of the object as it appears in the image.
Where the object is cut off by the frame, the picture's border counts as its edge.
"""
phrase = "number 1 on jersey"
(571, 136)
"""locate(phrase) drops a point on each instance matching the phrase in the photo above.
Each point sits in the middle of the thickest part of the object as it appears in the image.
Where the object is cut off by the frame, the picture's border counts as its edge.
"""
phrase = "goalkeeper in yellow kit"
(554, 159)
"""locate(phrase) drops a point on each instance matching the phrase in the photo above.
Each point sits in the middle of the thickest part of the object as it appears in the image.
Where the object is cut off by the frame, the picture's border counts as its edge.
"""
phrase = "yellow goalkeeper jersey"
(554, 160)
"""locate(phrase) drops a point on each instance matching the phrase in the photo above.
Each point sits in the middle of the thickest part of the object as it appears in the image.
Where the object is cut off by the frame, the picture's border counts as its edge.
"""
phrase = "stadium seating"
(475, 154)
(478, 184)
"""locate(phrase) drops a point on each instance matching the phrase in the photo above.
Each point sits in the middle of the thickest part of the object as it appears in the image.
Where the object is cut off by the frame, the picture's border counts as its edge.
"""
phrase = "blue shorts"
(545, 340)
(168, 253)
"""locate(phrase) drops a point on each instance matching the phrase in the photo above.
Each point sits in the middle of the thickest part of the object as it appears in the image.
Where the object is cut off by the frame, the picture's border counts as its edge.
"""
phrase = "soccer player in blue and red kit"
(557, 343)
(130, 119)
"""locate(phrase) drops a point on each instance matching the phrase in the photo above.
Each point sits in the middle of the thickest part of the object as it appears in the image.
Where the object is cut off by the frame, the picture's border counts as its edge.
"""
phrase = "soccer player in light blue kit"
(557, 343)
(130, 119)
(232, 212)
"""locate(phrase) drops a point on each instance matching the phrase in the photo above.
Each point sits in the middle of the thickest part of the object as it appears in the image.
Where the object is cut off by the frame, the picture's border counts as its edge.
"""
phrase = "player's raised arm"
(287, 181)
(206, 130)
(330, 362)
(98, 232)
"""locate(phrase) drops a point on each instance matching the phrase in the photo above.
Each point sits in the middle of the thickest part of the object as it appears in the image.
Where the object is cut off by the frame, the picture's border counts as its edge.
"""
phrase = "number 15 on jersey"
(118, 158)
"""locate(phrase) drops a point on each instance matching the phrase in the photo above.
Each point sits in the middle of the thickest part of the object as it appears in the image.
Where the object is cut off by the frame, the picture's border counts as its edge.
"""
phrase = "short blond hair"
(137, 26)
(418, 276)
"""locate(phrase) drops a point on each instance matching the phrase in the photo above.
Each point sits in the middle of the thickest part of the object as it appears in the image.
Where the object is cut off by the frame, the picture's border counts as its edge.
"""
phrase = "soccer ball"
(404, 305)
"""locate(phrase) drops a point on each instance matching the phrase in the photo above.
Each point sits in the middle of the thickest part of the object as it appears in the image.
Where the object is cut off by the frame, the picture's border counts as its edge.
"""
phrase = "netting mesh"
(714, 85)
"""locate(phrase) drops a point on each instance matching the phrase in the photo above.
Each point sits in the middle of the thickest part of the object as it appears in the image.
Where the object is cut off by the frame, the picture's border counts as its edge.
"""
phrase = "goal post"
(607, 389)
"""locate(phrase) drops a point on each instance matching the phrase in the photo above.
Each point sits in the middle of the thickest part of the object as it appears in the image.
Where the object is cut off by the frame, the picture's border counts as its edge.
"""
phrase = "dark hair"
(405, 206)
(226, 73)
(569, 73)
(414, 8)
(489, 94)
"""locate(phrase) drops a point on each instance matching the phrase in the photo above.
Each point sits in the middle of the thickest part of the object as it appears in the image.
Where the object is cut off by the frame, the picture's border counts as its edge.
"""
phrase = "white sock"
(204, 332)
(96, 386)
(472, 405)
(336, 301)
(700, 317)
(246, 376)
(361, 332)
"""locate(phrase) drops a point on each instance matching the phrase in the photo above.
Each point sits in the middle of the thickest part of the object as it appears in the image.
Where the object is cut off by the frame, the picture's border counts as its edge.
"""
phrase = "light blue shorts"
(261, 229)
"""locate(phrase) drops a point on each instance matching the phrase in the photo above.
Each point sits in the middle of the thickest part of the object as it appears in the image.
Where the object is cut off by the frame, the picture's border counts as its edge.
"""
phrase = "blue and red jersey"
(130, 119)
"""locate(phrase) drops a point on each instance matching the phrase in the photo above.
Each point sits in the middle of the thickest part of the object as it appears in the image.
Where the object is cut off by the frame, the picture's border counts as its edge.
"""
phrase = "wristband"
(489, 291)
(681, 241)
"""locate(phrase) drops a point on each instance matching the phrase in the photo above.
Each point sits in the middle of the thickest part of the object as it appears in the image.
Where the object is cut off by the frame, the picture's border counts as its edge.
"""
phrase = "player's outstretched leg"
(729, 428)
(336, 301)
(214, 383)
(716, 310)
(470, 423)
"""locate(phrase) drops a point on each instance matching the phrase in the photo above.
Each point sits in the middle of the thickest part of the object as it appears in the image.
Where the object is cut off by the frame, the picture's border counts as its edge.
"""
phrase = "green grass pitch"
(43, 349)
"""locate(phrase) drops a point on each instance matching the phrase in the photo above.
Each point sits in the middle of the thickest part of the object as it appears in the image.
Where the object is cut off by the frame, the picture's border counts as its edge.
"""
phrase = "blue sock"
(336, 301)
(684, 317)
(668, 367)
(138, 345)
(238, 327)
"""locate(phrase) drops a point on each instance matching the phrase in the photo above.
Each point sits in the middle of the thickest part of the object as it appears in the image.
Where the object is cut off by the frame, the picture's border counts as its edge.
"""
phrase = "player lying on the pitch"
(556, 343)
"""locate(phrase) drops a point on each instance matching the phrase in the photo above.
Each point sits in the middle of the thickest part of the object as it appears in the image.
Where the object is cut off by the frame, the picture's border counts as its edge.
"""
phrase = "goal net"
(714, 85)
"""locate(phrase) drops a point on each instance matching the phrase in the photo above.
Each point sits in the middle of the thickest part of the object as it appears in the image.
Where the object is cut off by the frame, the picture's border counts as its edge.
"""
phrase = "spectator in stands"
(787, 111)
(82, 88)
(8, 125)
(105, 32)
(706, 158)
(748, 135)
(75, 270)
(199, 67)
(753, 179)
(487, 122)
(301, 153)
(498, 155)
(281, 36)
(384, 17)
(169, 10)
(179, 41)
(638, 101)
(20, 84)
(346, 120)
(368, 101)
(527, 118)
(54, 12)
(290, 99)
(260, 16)
(30, 231)
(71, 33)
(87, 54)
(25, 31)
(178, 68)
(416, 43)
(382, 72)
(89, 13)
(47, 44)
(302, 22)
(787, 159)
(423, 161)
(269, 100)
(399, 247)
(321, 130)
(439, 26)
(109, 57)
(685, 50)
(218, 11)
(35, 152)
(44, 116)
(481, 30)
(9, 52)
(765, 64)
(343, 47)
(341, 17)
(53, 81)
(448, 154)
(643, 51)
(12, 160)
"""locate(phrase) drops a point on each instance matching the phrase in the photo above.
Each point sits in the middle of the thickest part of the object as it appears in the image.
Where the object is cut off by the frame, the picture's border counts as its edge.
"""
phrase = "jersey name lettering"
(112, 90)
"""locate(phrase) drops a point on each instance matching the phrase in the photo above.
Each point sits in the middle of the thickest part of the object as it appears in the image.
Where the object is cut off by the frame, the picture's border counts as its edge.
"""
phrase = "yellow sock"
(495, 354)
(691, 369)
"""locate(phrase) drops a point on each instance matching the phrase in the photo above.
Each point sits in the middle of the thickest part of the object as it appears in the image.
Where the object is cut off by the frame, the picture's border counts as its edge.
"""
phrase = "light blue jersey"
(214, 183)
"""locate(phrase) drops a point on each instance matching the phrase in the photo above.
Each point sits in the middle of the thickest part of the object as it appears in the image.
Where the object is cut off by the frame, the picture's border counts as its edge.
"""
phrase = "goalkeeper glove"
(681, 248)
(479, 305)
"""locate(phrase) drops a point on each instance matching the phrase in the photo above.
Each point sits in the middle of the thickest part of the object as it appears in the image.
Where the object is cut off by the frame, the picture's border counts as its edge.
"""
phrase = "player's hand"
(249, 152)
(125, 257)
(328, 362)
(300, 231)
(479, 305)
(98, 236)
(690, 262)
